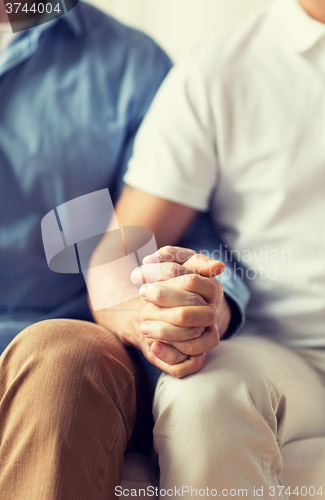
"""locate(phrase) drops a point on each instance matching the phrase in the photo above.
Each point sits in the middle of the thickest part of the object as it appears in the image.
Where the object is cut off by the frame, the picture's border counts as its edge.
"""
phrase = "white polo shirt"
(239, 127)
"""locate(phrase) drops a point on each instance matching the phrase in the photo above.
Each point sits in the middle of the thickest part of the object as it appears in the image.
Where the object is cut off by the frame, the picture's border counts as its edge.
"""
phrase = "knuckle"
(211, 315)
(195, 280)
(187, 282)
(197, 363)
(189, 347)
(197, 332)
(192, 281)
(181, 316)
(158, 294)
(170, 269)
(174, 269)
(177, 372)
(214, 338)
(216, 341)
(167, 252)
(164, 249)
(197, 300)
(161, 331)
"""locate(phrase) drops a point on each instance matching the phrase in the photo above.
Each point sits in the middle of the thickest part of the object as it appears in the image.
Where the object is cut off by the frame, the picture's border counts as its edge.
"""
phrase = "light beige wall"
(179, 25)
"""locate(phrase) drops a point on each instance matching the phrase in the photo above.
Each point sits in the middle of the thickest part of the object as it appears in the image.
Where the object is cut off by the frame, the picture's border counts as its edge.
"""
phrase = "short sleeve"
(174, 153)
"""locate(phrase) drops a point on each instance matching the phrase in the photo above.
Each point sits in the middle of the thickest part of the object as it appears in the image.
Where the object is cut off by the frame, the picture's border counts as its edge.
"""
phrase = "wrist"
(122, 320)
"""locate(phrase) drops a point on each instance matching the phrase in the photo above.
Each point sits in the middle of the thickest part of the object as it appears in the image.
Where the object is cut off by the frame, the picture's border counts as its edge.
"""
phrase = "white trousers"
(221, 430)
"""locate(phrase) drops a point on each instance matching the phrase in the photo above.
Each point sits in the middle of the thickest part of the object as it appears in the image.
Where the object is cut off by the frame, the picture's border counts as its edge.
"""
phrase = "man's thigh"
(68, 406)
(265, 367)
(291, 374)
(81, 346)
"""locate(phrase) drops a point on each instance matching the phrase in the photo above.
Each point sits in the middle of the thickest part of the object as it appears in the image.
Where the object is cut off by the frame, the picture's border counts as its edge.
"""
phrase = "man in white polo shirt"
(238, 128)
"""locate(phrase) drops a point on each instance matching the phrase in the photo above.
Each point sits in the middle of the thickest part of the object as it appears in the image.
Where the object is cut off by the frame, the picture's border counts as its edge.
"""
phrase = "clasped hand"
(180, 314)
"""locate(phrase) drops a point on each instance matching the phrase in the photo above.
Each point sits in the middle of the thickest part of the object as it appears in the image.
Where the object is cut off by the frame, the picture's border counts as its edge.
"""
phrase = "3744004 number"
(39, 7)
(298, 491)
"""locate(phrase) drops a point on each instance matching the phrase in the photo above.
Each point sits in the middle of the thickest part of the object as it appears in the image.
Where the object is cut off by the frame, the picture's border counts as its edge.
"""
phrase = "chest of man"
(270, 199)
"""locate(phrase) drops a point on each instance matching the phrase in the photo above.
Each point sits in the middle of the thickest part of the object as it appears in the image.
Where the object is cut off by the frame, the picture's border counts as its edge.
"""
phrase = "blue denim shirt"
(73, 93)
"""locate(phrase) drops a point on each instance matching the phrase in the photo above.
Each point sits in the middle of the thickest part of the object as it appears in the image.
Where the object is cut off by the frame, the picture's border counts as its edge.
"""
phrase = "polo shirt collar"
(299, 29)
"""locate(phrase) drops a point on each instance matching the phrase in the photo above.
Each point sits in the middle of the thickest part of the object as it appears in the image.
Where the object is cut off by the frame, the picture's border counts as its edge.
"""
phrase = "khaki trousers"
(67, 408)
(223, 428)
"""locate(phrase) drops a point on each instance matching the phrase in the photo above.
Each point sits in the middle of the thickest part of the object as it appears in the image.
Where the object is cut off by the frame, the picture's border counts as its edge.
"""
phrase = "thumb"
(204, 265)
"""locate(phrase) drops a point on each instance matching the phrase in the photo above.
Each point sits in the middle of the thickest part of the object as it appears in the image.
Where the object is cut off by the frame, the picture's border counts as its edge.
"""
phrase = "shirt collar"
(73, 21)
(27, 42)
(299, 29)
(71, 18)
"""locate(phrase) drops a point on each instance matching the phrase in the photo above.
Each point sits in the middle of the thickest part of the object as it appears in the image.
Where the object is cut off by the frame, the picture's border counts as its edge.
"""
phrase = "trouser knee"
(231, 387)
(65, 358)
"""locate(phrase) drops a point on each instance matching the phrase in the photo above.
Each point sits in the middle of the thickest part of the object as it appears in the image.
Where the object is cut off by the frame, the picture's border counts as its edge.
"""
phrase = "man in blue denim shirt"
(73, 94)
